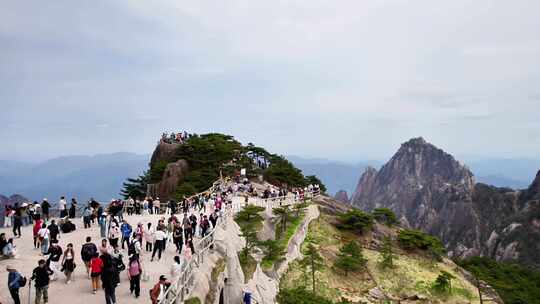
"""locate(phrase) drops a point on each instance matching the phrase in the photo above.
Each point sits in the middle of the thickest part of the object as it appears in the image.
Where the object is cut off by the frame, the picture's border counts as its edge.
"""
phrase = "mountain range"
(99, 176)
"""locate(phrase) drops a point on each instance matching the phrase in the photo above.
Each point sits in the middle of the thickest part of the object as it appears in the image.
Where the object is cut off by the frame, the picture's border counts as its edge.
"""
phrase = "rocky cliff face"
(173, 175)
(342, 196)
(429, 190)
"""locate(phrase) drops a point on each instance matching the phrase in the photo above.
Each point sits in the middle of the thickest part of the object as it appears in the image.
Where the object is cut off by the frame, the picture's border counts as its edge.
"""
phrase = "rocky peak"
(533, 192)
(342, 196)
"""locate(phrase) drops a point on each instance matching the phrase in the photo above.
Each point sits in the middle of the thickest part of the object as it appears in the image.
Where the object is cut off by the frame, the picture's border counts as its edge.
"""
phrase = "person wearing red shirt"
(96, 265)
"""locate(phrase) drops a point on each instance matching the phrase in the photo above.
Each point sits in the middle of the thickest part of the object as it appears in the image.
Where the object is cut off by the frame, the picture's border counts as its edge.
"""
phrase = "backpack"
(88, 251)
(120, 266)
(131, 248)
(22, 281)
(134, 268)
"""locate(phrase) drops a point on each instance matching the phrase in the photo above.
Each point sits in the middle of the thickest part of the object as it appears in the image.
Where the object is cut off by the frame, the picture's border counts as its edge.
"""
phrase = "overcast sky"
(345, 80)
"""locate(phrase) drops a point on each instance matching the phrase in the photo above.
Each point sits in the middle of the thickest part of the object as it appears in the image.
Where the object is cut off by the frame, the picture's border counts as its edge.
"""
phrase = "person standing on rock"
(62, 205)
(96, 266)
(126, 232)
(44, 237)
(45, 206)
(114, 234)
(156, 204)
(54, 231)
(177, 237)
(149, 237)
(157, 293)
(73, 208)
(40, 276)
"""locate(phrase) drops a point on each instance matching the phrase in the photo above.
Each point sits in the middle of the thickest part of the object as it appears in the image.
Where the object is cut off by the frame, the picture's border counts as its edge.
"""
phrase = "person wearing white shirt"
(44, 235)
(62, 204)
(159, 243)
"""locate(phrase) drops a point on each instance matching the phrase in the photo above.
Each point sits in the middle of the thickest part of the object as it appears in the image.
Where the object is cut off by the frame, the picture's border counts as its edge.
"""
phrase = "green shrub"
(443, 283)
(410, 239)
(350, 258)
(300, 295)
(384, 215)
(356, 220)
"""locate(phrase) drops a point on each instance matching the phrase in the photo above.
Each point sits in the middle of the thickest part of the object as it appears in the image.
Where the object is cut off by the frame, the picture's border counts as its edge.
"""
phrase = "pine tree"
(350, 258)
(249, 232)
(135, 187)
(283, 215)
(387, 254)
(312, 262)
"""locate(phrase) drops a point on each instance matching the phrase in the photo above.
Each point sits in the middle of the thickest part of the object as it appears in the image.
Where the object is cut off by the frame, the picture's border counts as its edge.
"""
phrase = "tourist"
(189, 243)
(7, 216)
(205, 225)
(9, 250)
(159, 239)
(66, 226)
(55, 252)
(139, 232)
(54, 231)
(87, 216)
(62, 205)
(193, 219)
(126, 232)
(68, 262)
(45, 206)
(157, 294)
(44, 237)
(145, 207)
(130, 204)
(156, 205)
(109, 279)
(88, 250)
(134, 275)
(37, 226)
(176, 268)
(105, 248)
(3, 243)
(177, 237)
(15, 282)
(134, 247)
(114, 234)
(17, 223)
(40, 275)
(102, 220)
(96, 265)
(73, 208)
(149, 237)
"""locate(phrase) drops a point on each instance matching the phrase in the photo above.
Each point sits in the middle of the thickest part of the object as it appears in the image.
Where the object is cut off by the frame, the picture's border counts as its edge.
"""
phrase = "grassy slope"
(411, 276)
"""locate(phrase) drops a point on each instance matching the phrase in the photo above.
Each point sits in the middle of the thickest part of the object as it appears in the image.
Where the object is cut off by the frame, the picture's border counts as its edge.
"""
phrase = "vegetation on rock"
(385, 216)
(350, 258)
(135, 187)
(356, 220)
(410, 239)
(515, 284)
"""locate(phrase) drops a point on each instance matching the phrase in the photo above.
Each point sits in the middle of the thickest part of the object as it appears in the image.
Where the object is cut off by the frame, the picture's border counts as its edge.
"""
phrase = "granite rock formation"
(429, 190)
(342, 196)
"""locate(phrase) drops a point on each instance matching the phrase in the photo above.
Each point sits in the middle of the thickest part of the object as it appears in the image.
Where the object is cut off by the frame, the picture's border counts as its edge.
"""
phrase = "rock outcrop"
(173, 175)
(342, 196)
(429, 190)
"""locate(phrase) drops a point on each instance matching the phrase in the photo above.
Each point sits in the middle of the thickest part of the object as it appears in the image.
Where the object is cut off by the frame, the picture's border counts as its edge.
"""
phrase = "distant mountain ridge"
(99, 176)
(430, 190)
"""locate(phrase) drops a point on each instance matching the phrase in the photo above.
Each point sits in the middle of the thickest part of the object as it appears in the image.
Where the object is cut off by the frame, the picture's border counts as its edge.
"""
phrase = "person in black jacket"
(54, 231)
(40, 275)
(109, 278)
(55, 252)
(45, 205)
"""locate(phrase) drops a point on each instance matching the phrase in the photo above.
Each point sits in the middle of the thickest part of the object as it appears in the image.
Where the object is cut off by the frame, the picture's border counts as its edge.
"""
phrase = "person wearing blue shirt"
(14, 283)
(126, 232)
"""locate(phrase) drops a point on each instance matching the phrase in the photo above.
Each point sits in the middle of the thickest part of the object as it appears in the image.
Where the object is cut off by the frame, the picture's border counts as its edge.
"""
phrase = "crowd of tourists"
(174, 138)
(121, 246)
(178, 224)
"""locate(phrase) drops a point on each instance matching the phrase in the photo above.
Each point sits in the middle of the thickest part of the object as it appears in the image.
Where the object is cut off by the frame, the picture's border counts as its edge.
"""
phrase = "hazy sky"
(335, 79)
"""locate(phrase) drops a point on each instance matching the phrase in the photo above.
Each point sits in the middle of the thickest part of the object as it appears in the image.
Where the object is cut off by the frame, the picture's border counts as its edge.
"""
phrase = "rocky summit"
(342, 196)
(430, 190)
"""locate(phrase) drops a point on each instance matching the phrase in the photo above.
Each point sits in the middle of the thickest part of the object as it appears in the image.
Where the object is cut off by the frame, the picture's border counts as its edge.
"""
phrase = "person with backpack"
(134, 275)
(40, 275)
(96, 266)
(87, 253)
(15, 282)
(114, 234)
(134, 247)
(44, 236)
(54, 231)
(126, 232)
(109, 278)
